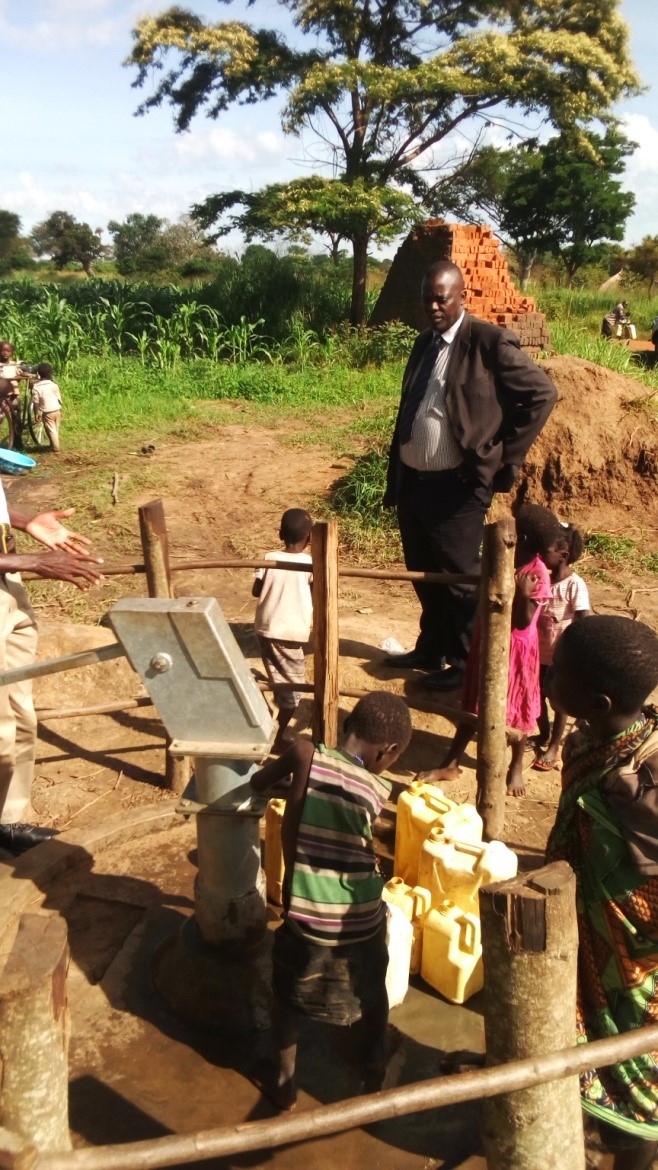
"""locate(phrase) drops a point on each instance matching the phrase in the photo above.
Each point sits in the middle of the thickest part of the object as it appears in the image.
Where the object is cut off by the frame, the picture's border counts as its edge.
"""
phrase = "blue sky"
(71, 139)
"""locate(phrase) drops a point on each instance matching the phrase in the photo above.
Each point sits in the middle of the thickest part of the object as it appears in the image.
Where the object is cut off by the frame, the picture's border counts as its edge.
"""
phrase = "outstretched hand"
(64, 566)
(48, 529)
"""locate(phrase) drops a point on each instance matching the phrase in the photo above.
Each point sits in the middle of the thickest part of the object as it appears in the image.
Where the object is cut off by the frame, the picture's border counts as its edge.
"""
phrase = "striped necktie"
(416, 391)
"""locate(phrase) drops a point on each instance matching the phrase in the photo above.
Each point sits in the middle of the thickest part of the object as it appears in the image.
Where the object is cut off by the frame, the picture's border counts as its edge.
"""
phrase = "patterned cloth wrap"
(607, 829)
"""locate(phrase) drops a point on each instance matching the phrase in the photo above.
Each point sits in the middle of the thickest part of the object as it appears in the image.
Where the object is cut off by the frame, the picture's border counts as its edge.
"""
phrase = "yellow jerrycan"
(399, 940)
(274, 867)
(414, 904)
(452, 952)
(423, 807)
(455, 869)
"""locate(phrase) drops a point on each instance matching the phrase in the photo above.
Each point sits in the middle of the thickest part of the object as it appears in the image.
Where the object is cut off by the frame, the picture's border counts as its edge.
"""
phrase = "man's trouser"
(18, 722)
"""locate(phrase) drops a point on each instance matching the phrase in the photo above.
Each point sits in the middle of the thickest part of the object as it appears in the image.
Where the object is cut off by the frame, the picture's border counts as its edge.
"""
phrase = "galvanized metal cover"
(193, 669)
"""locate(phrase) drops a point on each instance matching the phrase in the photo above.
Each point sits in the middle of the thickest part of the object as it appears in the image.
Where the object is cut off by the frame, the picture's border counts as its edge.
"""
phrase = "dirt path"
(224, 496)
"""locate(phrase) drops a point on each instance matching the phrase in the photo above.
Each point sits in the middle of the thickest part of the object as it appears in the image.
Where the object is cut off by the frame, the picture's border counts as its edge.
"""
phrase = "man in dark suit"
(472, 404)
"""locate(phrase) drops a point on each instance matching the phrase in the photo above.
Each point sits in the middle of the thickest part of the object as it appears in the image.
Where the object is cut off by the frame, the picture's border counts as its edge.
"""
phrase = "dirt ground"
(223, 497)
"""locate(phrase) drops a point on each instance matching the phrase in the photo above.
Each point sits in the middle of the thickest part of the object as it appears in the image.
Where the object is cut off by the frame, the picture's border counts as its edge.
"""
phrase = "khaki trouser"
(51, 421)
(18, 722)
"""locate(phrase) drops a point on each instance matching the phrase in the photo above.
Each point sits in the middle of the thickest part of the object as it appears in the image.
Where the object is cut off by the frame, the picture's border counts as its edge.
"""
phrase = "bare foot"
(515, 783)
(440, 775)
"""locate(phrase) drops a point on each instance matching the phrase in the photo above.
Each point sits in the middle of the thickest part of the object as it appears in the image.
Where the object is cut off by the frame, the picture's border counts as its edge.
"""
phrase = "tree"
(65, 239)
(137, 243)
(10, 226)
(643, 260)
(560, 197)
(147, 244)
(380, 83)
(337, 209)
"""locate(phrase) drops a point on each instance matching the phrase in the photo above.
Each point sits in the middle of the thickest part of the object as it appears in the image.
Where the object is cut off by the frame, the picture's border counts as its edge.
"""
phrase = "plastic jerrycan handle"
(421, 900)
(467, 934)
(438, 803)
(472, 849)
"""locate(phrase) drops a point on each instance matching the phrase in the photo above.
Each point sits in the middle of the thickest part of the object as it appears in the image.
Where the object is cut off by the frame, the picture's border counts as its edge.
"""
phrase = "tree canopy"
(560, 197)
(65, 239)
(381, 83)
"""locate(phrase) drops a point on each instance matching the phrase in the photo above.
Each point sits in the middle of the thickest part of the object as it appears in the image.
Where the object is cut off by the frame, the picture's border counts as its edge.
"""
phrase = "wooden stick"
(155, 546)
(496, 594)
(137, 567)
(44, 713)
(34, 1034)
(324, 550)
(530, 946)
(66, 662)
(311, 1124)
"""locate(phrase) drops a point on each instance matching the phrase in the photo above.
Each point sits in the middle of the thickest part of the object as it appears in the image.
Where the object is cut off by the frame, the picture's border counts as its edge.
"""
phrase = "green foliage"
(65, 239)
(380, 85)
(643, 260)
(559, 197)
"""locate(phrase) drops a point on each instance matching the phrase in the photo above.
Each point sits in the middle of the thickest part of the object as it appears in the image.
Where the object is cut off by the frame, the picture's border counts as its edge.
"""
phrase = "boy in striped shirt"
(329, 956)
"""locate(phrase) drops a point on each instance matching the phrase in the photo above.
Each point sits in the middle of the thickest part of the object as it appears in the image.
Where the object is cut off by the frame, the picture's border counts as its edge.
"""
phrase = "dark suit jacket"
(497, 401)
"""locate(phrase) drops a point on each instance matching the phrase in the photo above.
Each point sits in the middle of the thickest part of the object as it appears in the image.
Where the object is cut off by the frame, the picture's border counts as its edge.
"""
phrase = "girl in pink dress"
(536, 530)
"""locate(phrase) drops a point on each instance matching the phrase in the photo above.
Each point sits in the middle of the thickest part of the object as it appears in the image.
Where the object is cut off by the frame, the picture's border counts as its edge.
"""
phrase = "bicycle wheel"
(36, 428)
(6, 429)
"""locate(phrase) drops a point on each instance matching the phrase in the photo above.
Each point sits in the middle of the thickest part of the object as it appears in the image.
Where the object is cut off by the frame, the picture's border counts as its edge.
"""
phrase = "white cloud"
(641, 176)
(208, 144)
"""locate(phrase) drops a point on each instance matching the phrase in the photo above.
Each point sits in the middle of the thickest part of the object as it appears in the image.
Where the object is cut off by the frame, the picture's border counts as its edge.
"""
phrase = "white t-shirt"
(285, 608)
(568, 598)
(46, 395)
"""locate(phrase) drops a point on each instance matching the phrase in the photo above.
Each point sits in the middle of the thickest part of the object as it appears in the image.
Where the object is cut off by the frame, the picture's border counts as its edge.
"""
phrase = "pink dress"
(523, 693)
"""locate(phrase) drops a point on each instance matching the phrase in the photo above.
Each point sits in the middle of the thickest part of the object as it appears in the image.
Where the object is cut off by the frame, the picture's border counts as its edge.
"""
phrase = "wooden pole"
(496, 594)
(155, 546)
(34, 1034)
(324, 550)
(530, 950)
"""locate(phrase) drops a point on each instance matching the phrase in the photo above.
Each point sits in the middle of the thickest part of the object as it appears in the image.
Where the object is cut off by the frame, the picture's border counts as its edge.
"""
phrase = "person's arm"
(296, 763)
(55, 566)
(527, 398)
(524, 604)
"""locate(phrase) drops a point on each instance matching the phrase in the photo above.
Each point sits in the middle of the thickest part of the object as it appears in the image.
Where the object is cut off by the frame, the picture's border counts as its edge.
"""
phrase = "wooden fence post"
(324, 550)
(34, 1034)
(155, 547)
(496, 595)
(530, 950)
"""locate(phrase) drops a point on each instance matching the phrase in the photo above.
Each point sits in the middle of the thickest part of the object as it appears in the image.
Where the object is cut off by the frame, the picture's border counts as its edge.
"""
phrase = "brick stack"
(491, 294)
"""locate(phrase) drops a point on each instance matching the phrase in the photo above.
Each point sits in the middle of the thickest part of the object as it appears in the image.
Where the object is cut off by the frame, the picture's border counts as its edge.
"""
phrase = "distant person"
(329, 957)
(284, 617)
(569, 601)
(472, 404)
(537, 529)
(617, 323)
(654, 333)
(10, 394)
(607, 829)
(68, 560)
(47, 399)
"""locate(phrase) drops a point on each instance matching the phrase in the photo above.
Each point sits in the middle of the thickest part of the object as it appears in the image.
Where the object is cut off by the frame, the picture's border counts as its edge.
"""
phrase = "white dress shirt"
(432, 446)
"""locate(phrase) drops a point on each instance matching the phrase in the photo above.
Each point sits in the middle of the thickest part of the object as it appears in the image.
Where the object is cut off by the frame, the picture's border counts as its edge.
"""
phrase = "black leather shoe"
(17, 838)
(444, 680)
(413, 659)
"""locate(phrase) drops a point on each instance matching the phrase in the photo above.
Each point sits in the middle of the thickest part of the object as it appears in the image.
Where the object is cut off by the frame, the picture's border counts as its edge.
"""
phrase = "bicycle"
(19, 415)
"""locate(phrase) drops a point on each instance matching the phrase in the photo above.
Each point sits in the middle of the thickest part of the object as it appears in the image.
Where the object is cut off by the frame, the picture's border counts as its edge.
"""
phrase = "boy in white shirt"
(284, 616)
(47, 399)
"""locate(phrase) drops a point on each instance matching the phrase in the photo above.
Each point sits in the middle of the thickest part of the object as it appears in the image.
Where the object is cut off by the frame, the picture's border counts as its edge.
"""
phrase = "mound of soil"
(596, 461)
